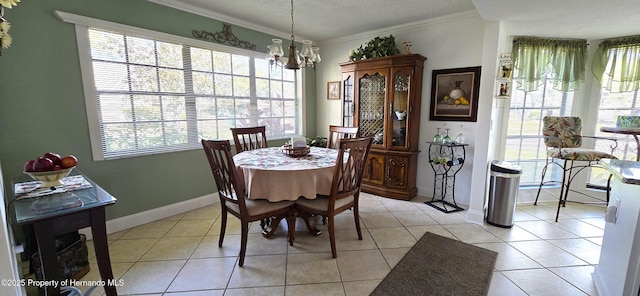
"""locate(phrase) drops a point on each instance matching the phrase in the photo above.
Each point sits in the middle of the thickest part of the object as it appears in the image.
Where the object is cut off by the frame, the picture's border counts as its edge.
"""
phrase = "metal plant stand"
(446, 160)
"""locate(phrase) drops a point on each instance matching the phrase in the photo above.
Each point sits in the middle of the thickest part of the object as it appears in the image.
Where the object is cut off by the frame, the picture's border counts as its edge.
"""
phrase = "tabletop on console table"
(628, 171)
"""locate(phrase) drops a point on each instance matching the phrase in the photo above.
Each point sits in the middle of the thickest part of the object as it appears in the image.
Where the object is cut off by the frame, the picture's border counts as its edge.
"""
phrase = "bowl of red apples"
(50, 168)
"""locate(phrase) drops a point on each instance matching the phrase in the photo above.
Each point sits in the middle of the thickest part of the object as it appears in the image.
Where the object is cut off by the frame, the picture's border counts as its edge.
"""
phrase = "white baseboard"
(528, 195)
(148, 216)
(601, 286)
(476, 217)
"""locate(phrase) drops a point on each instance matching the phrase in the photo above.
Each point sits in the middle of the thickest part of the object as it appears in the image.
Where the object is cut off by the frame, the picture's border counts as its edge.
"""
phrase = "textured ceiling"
(587, 19)
(320, 19)
(328, 19)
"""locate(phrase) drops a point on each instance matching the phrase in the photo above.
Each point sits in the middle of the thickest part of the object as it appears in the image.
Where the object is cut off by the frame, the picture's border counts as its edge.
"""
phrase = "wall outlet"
(611, 214)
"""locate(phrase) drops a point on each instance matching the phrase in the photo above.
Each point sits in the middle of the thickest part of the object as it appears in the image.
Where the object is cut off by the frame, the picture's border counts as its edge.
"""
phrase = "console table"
(446, 160)
(67, 208)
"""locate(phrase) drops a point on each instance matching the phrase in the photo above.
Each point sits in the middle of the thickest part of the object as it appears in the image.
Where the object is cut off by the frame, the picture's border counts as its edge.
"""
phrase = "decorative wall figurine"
(406, 45)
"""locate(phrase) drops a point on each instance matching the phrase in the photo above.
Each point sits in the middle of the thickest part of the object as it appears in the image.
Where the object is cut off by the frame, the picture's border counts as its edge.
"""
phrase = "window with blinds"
(155, 96)
(525, 144)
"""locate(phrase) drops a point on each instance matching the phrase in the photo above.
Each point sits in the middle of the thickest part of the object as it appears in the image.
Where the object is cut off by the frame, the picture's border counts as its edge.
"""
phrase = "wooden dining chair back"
(233, 195)
(345, 187)
(336, 133)
(249, 138)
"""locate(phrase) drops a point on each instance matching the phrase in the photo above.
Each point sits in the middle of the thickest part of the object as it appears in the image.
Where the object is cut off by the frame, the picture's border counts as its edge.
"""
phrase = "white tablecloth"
(270, 174)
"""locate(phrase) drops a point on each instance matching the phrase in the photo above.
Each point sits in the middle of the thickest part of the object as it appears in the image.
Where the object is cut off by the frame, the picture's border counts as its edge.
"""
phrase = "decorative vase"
(406, 47)
(401, 114)
(457, 93)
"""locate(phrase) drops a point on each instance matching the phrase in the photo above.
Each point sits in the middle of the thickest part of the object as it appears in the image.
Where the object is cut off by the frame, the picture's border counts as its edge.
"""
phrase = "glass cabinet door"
(347, 100)
(400, 109)
(372, 93)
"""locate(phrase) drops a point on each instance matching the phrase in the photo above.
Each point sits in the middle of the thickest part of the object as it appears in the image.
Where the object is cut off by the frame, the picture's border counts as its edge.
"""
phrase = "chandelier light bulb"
(276, 48)
(306, 51)
(316, 55)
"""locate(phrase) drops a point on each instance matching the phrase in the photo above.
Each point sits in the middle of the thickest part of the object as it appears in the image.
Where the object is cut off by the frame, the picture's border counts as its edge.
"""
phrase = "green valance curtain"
(535, 59)
(617, 64)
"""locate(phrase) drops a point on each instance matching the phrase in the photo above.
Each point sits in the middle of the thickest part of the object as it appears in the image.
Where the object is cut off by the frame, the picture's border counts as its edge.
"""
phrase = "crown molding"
(224, 18)
(404, 27)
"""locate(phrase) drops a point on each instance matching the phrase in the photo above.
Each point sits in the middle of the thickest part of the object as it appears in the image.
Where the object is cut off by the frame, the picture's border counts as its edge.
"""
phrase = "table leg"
(48, 258)
(291, 225)
(271, 225)
(311, 224)
(100, 244)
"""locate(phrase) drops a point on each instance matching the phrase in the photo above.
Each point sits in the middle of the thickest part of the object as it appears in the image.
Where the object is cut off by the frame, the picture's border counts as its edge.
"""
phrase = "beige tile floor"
(179, 255)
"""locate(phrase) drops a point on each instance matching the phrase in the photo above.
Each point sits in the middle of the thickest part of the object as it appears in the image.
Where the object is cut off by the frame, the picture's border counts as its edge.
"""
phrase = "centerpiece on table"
(297, 147)
(50, 168)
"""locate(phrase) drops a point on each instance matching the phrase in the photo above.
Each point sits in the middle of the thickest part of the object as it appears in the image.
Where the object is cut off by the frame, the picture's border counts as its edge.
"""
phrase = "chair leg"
(223, 226)
(564, 188)
(544, 172)
(332, 236)
(609, 188)
(356, 217)
(569, 180)
(243, 242)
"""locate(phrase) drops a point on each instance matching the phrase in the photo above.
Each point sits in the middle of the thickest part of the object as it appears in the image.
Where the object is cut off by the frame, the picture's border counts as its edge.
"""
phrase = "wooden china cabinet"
(382, 97)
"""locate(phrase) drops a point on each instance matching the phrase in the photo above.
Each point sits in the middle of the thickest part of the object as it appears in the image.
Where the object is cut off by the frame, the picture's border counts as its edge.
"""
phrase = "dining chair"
(249, 138)
(563, 139)
(345, 187)
(336, 133)
(233, 196)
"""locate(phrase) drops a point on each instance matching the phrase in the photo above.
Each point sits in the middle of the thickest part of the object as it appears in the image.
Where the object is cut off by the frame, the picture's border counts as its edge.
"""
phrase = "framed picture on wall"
(454, 94)
(333, 90)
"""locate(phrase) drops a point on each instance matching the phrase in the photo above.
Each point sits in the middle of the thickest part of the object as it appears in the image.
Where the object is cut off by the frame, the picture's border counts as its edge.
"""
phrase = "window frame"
(564, 109)
(626, 143)
(82, 26)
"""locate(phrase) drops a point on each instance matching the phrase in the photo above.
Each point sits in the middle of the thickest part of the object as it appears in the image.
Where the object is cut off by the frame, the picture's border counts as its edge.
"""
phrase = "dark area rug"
(437, 265)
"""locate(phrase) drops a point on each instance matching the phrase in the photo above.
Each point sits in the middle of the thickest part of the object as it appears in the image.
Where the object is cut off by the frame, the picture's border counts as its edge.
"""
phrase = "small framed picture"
(333, 90)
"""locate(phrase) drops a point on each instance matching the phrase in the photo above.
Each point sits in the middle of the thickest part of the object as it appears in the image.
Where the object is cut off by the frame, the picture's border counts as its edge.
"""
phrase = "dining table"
(272, 174)
(632, 131)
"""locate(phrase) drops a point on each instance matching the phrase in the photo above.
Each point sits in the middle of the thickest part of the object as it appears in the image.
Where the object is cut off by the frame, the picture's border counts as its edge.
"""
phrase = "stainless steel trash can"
(503, 193)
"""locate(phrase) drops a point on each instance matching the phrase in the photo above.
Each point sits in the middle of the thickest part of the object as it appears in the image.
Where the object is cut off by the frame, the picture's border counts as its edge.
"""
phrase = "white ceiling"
(328, 19)
(586, 19)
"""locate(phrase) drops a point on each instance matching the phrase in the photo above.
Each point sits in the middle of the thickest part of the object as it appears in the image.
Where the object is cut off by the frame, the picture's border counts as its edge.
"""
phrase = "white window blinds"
(153, 95)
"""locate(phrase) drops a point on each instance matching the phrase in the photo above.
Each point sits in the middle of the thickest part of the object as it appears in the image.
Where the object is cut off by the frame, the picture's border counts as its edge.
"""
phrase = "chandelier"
(309, 56)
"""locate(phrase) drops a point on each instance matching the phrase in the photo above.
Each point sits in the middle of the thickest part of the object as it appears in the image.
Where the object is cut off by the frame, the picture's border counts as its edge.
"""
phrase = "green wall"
(42, 107)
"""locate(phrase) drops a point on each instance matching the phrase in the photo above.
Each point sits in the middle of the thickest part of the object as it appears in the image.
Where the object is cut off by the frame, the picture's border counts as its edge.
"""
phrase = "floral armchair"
(563, 135)
(563, 138)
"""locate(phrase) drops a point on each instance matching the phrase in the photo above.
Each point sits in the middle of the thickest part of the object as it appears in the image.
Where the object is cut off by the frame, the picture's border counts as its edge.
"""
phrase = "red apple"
(43, 164)
(28, 166)
(68, 161)
(55, 157)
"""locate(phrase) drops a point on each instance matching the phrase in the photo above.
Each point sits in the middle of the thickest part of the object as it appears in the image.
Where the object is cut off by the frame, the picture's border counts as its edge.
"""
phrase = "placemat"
(32, 188)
